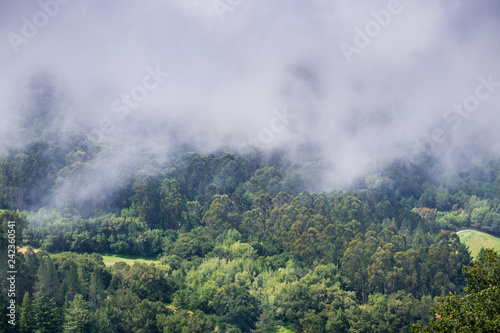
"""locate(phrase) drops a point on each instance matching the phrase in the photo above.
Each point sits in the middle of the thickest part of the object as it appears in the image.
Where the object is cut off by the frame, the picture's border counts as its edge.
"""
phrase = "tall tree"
(26, 319)
(48, 277)
(171, 205)
(47, 318)
(96, 290)
(147, 198)
(78, 318)
(217, 217)
(71, 283)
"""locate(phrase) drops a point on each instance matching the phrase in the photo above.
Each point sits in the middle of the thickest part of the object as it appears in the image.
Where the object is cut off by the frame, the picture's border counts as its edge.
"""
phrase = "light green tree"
(26, 319)
(78, 318)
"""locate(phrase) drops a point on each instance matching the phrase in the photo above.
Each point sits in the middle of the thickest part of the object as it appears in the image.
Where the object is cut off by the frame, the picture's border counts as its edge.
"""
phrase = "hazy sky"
(287, 72)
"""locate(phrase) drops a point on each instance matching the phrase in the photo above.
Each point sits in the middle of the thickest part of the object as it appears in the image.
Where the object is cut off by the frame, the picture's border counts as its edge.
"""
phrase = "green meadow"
(476, 240)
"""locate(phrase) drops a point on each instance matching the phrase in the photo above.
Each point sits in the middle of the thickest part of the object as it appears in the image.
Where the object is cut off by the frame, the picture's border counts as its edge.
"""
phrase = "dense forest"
(246, 241)
(231, 166)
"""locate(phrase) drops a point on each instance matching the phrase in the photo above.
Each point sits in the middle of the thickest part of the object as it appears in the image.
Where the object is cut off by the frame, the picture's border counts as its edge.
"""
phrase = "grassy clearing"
(111, 259)
(476, 240)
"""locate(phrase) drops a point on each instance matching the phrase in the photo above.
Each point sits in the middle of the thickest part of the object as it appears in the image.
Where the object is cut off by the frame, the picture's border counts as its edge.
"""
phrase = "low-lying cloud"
(232, 64)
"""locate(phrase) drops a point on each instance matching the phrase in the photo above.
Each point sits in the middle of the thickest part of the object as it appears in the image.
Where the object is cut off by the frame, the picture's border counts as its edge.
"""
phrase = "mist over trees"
(246, 242)
(288, 166)
(243, 246)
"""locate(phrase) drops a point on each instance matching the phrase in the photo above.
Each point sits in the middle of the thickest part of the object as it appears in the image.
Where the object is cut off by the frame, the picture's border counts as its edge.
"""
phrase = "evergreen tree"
(46, 315)
(78, 318)
(96, 290)
(27, 316)
(47, 276)
(102, 321)
(71, 283)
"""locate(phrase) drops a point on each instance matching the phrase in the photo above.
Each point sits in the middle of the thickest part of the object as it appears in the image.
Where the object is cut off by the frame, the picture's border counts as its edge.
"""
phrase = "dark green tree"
(71, 283)
(96, 290)
(479, 310)
(266, 323)
(147, 198)
(46, 314)
(236, 306)
(172, 204)
(48, 277)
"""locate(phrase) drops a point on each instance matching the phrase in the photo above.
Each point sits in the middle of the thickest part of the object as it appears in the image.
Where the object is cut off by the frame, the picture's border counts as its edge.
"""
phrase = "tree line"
(246, 242)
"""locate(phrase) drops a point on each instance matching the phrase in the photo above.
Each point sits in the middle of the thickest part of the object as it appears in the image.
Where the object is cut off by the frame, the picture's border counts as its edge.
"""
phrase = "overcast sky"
(288, 72)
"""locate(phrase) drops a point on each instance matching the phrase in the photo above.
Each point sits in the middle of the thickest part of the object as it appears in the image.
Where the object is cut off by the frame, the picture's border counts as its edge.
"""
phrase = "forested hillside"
(243, 245)
(231, 166)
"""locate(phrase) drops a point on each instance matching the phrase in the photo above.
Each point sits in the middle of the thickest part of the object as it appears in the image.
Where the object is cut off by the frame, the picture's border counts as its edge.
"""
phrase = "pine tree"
(71, 283)
(78, 318)
(31, 261)
(102, 321)
(27, 316)
(45, 313)
(47, 276)
(96, 290)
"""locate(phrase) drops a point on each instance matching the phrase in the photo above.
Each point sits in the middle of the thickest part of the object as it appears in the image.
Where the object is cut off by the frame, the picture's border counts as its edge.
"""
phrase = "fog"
(259, 74)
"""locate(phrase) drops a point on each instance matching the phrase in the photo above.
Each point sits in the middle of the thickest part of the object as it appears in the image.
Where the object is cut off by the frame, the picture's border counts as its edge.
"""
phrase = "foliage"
(479, 309)
(245, 243)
